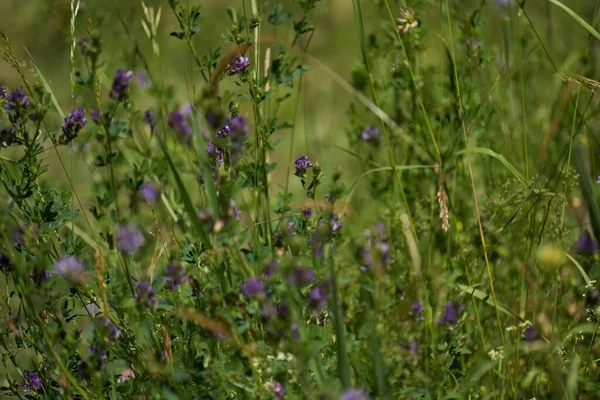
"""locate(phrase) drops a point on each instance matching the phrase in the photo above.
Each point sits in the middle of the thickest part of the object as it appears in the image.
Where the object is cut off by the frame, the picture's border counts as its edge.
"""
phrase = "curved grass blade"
(499, 157)
(585, 276)
(481, 295)
(577, 18)
(46, 85)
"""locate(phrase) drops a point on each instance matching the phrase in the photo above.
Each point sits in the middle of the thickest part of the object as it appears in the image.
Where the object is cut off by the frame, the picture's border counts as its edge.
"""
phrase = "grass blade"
(481, 295)
(577, 18)
(46, 85)
(585, 276)
(499, 157)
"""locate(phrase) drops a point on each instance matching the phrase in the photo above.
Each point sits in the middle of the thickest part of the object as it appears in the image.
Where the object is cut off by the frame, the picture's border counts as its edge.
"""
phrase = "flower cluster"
(120, 86)
(74, 123)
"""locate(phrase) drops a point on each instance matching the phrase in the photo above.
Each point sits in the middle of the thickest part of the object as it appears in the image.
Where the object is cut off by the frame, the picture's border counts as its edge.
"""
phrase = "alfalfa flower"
(370, 134)
(31, 382)
(302, 164)
(70, 268)
(253, 287)
(120, 86)
(130, 238)
(150, 119)
(145, 295)
(407, 20)
(74, 123)
(176, 275)
(149, 192)
(239, 65)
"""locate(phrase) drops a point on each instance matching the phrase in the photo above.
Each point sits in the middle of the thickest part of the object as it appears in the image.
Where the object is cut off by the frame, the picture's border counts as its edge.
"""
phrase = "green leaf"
(499, 157)
(577, 18)
(470, 290)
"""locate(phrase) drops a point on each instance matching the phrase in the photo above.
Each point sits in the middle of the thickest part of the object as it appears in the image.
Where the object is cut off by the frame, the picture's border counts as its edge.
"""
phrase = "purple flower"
(176, 275)
(301, 276)
(586, 244)
(278, 389)
(370, 134)
(239, 124)
(105, 326)
(336, 225)
(150, 119)
(69, 267)
(317, 297)
(215, 154)
(39, 275)
(85, 43)
(224, 131)
(97, 355)
(252, 287)
(145, 296)
(450, 314)
(530, 334)
(95, 116)
(179, 122)
(31, 382)
(354, 394)
(268, 311)
(75, 122)
(301, 164)
(17, 101)
(417, 309)
(3, 93)
(307, 213)
(120, 85)
(142, 79)
(271, 268)
(239, 65)
(149, 192)
(130, 238)
(366, 258)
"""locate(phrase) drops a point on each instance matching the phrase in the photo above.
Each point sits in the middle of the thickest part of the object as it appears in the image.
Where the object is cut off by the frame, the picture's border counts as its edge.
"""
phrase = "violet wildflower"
(530, 334)
(39, 275)
(176, 275)
(366, 258)
(150, 119)
(234, 212)
(85, 43)
(307, 213)
(145, 296)
(354, 394)
(239, 124)
(179, 122)
(130, 238)
(215, 154)
(224, 131)
(120, 85)
(586, 244)
(278, 389)
(3, 93)
(317, 297)
(316, 242)
(70, 268)
(336, 224)
(106, 326)
(97, 355)
(95, 113)
(149, 192)
(418, 309)
(450, 314)
(239, 65)
(252, 287)
(302, 164)
(370, 134)
(301, 276)
(31, 381)
(17, 101)
(74, 123)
